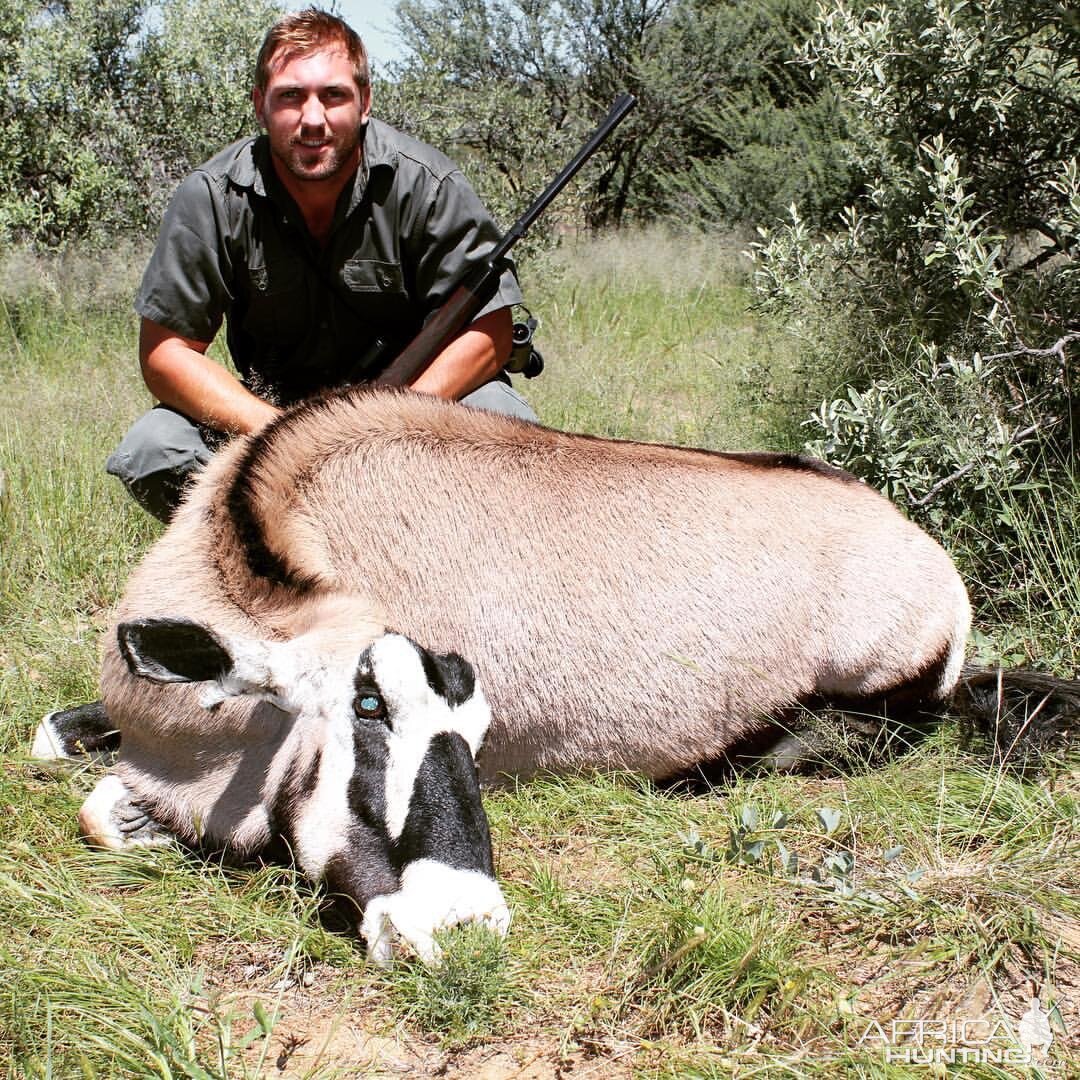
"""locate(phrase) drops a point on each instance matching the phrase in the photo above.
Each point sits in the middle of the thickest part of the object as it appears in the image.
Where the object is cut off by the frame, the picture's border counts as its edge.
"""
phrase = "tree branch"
(1016, 439)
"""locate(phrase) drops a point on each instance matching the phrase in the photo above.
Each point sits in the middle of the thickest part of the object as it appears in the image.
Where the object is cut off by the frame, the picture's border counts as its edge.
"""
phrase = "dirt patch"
(328, 1023)
(317, 1034)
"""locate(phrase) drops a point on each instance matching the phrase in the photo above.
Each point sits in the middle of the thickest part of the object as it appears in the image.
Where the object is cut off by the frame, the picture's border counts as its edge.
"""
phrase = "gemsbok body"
(624, 605)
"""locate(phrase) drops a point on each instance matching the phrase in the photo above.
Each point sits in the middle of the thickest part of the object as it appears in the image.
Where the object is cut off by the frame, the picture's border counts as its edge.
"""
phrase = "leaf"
(829, 819)
(264, 1021)
(789, 861)
(752, 852)
(839, 864)
(1056, 1019)
(893, 853)
(750, 818)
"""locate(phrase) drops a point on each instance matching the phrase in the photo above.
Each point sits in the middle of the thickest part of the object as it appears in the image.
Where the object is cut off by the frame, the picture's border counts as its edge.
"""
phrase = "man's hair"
(308, 31)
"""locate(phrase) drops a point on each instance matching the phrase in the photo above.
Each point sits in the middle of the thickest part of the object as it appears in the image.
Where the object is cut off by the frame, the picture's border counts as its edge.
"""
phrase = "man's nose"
(313, 115)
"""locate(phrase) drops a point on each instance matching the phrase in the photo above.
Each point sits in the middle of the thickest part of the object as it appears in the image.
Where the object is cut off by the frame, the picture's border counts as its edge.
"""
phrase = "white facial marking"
(432, 897)
(417, 714)
(319, 691)
(322, 825)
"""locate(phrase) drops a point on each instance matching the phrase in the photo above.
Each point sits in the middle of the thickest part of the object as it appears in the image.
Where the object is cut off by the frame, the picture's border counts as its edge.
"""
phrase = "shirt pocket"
(268, 279)
(378, 299)
(373, 276)
(278, 307)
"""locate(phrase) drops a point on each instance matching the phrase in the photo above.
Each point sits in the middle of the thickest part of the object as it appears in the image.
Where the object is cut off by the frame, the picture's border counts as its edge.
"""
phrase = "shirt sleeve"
(457, 234)
(185, 285)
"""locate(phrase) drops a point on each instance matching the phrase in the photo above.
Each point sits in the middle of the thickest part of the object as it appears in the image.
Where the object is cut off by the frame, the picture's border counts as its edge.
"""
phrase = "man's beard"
(341, 156)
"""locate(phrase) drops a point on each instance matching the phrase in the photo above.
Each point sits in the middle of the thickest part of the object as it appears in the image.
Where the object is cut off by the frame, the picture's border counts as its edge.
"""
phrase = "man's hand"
(473, 358)
(179, 374)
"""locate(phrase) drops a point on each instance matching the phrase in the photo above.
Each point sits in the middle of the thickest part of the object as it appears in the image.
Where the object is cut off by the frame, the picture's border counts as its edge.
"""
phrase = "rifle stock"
(456, 312)
(481, 282)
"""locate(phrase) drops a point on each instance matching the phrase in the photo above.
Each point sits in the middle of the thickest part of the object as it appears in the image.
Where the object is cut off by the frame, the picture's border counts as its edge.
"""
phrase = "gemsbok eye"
(369, 706)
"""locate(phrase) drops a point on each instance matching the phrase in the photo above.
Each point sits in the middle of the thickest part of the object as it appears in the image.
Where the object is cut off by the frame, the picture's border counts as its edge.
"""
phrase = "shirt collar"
(250, 165)
(378, 153)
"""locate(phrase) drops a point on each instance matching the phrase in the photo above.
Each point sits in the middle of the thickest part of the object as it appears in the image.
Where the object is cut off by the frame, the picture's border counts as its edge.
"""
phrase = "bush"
(949, 295)
(766, 134)
(105, 104)
(726, 126)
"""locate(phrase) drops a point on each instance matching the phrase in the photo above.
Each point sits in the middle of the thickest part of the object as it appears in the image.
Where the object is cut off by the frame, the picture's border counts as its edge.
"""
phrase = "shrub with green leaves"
(767, 132)
(105, 104)
(727, 128)
(950, 292)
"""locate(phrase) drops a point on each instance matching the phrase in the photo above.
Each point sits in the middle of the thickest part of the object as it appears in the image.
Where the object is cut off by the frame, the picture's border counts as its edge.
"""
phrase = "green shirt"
(233, 246)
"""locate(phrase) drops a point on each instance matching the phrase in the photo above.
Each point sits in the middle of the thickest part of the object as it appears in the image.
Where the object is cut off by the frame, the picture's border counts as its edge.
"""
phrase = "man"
(313, 241)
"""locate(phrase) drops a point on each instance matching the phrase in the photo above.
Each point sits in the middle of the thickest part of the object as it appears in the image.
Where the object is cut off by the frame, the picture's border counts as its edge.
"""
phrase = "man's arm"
(473, 358)
(455, 235)
(179, 374)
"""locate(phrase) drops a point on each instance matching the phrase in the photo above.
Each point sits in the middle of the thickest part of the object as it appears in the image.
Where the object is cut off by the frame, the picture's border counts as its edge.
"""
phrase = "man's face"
(312, 111)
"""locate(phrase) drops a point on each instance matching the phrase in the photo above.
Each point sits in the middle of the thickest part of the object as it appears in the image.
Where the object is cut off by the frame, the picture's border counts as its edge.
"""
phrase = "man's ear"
(258, 98)
(365, 105)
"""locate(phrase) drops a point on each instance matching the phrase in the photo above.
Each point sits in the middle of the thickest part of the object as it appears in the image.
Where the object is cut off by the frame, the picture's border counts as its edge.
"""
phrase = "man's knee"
(160, 453)
(500, 397)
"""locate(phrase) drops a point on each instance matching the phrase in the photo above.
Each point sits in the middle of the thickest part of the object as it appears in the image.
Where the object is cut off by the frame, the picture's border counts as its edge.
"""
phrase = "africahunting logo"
(964, 1041)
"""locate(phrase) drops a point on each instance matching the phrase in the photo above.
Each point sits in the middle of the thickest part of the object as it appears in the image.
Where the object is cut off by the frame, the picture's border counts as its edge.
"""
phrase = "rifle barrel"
(479, 285)
(623, 104)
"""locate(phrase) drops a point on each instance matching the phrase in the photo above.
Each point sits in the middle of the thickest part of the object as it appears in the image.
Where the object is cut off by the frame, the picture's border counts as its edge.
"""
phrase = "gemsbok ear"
(168, 650)
(173, 650)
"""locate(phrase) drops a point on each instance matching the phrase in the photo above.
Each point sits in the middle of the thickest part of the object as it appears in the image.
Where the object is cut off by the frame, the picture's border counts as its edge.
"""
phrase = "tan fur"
(625, 605)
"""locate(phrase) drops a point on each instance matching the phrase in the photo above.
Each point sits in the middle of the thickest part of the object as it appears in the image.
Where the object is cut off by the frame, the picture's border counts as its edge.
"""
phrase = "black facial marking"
(446, 819)
(367, 785)
(361, 871)
(295, 789)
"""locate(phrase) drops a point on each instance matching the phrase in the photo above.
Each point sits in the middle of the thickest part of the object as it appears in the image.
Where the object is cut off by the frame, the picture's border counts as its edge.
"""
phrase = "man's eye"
(369, 706)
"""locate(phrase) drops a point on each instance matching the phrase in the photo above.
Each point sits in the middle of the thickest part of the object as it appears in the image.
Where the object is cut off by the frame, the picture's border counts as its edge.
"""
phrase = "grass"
(651, 337)
(757, 929)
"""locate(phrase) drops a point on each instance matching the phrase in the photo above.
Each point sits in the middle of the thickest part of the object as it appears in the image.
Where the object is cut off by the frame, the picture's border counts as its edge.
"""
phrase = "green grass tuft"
(464, 998)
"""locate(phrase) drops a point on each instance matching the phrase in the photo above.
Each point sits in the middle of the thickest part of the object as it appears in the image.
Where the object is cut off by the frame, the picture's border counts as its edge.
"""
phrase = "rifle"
(478, 284)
